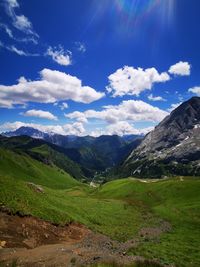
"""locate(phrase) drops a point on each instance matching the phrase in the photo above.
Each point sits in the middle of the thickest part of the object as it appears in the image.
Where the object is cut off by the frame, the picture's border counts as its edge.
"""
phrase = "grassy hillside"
(176, 201)
(43, 151)
(64, 199)
(119, 209)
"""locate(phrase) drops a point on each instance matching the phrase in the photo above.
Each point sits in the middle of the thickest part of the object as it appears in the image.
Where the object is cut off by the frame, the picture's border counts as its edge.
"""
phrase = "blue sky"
(96, 67)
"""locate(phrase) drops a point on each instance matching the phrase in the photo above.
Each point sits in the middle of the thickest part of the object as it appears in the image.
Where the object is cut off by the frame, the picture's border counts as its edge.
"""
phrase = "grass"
(116, 209)
(173, 200)
(64, 199)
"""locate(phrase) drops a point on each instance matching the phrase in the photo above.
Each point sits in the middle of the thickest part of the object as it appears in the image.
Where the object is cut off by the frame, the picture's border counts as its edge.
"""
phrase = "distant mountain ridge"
(54, 137)
(29, 131)
(173, 147)
(93, 154)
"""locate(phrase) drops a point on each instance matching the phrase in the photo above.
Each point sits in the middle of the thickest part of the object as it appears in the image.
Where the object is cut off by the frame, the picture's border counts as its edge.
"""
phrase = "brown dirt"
(30, 232)
(34, 243)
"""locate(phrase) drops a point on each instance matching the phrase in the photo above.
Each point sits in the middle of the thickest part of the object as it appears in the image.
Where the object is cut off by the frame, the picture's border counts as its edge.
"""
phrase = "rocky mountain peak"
(185, 116)
(176, 140)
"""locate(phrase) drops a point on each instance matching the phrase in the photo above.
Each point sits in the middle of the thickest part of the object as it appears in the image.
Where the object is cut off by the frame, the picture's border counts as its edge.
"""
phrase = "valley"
(99, 133)
(156, 220)
(66, 204)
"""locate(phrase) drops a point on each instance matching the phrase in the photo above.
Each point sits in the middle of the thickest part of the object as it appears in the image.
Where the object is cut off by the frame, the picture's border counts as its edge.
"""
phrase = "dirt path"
(33, 242)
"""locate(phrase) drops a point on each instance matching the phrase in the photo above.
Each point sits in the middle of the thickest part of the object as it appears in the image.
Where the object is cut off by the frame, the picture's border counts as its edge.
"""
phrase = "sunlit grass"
(118, 209)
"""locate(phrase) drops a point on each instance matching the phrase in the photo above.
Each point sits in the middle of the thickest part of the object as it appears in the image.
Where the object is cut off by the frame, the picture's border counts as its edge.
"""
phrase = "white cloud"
(20, 22)
(181, 68)
(20, 52)
(40, 114)
(195, 90)
(79, 116)
(5, 103)
(53, 86)
(12, 3)
(64, 106)
(59, 55)
(156, 98)
(9, 32)
(131, 81)
(17, 51)
(125, 128)
(174, 106)
(121, 128)
(129, 110)
(66, 129)
(29, 39)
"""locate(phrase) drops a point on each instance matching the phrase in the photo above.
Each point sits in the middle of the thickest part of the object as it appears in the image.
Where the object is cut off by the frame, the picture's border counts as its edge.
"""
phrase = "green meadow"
(118, 209)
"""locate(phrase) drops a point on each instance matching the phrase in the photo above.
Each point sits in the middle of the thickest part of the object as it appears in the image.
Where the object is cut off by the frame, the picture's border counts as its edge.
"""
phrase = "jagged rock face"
(176, 140)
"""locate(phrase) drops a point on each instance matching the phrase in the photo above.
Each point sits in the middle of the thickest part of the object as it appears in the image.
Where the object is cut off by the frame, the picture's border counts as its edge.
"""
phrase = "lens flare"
(135, 7)
(131, 18)
(137, 11)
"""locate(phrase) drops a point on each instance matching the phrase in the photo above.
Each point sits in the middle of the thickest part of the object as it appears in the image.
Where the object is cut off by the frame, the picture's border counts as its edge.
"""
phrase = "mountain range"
(172, 148)
(93, 154)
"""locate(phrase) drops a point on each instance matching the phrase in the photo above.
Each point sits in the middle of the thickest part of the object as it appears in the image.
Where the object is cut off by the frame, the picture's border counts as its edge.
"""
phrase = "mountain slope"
(94, 154)
(29, 131)
(45, 152)
(173, 147)
(156, 216)
(23, 167)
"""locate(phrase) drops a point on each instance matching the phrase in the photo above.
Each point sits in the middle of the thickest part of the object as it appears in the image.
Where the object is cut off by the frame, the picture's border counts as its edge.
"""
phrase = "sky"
(96, 67)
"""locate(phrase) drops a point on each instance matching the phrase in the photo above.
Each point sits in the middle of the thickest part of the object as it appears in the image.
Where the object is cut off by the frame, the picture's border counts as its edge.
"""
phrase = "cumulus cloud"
(77, 128)
(125, 128)
(66, 129)
(121, 128)
(5, 103)
(156, 98)
(59, 55)
(77, 115)
(181, 68)
(53, 86)
(174, 106)
(132, 81)
(195, 90)
(133, 110)
(40, 114)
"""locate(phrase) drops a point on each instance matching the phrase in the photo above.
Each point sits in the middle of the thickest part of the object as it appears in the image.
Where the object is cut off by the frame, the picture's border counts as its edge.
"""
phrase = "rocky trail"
(28, 241)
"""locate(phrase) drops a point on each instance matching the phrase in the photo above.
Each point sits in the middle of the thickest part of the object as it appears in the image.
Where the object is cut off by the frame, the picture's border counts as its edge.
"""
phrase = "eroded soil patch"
(29, 241)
